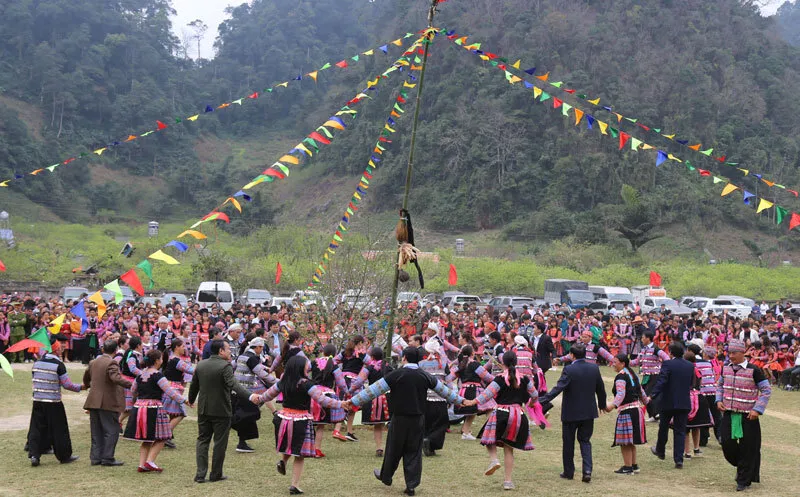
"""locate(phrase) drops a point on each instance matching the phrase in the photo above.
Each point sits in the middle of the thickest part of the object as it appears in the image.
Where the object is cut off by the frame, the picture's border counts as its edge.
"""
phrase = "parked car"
(502, 303)
(611, 293)
(73, 293)
(450, 300)
(358, 301)
(215, 292)
(605, 305)
(431, 297)
(689, 299)
(573, 293)
(718, 306)
(277, 301)
(179, 299)
(655, 303)
(310, 297)
(407, 297)
(148, 300)
(254, 296)
(738, 300)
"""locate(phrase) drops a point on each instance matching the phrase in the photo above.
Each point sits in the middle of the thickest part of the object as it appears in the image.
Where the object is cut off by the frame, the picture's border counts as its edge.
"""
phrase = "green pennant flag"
(337, 238)
(42, 337)
(85, 154)
(114, 287)
(614, 131)
(380, 148)
(717, 179)
(311, 142)
(364, 180)
(6, 366)
(178, 120)
(354, 57)
(707, 152)
(404, 93)
(582, 96)
(635, 143)
(657, 130)
(631, 120)
(565, 107)
(557, 84)
(780, 213)
(325, 131)
(284, 169)
(545, 96)
(52, 168)
(268, 90)
(408, 35)
(690, 166)
(147, 134)
(417, 60)
(326, 66)
(147, 269)
(350, 211)
(494, 63)
(398, 109)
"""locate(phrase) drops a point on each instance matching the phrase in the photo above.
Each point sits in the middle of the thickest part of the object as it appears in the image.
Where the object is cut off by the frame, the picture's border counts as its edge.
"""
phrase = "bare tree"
(199, 28)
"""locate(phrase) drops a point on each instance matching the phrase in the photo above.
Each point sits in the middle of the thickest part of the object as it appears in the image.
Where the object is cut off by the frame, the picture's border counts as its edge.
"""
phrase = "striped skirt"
(375, 412)
(630, 429)
(148, 422)
(323, 416)
(128, 394)
(471, 391)
(511, 423)
(174, 409)
(294, 433)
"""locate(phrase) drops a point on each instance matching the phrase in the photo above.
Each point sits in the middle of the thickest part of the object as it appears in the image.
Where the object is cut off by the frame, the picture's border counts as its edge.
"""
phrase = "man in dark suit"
(105, 402)
(543, 345)
(211, 386)
(584, 391)
(672, 395)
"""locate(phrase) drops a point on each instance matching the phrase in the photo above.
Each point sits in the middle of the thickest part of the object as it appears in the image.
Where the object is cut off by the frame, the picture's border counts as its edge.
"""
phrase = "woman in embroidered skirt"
(176, 367)
(149, 422)
(294, 424)
(472, 377)
(630, 399)
(700, 413)
(129, 368)
(326, 375)
(507, 425)
(375, 413)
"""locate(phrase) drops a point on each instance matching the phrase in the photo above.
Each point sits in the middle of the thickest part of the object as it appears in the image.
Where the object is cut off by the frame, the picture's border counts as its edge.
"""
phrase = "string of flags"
(626, 140)
(515, 70)
(384, 141)
(162, 125)
(322, 135)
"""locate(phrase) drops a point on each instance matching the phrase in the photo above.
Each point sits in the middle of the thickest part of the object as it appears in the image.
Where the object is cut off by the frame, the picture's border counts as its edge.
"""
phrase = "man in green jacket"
(211, 386)
(17, 321)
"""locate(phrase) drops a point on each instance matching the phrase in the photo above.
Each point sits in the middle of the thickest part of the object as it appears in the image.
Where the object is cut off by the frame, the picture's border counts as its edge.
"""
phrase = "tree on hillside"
(637, 219)
(789, 22)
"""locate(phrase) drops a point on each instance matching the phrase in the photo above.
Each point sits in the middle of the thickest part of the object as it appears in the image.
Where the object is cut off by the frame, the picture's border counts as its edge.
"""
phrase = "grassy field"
(456, 471)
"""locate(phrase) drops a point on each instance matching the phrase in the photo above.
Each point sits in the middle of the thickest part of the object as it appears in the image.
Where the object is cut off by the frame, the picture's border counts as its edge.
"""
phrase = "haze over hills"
(77, 75)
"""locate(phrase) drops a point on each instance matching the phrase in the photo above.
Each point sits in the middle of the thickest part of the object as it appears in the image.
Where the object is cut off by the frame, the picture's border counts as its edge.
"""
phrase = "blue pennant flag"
(298, 78)
(182, 247)
(375, 159)
(531, 71)
(359, 190)
(384, 48)
(242, 194)
(209, 108)
(683, 142)
(757, 175)
(747, 197)
(80, 311)
(661, 158)
(528, 85)
(607, 108)
(589, 121)
(390, 121)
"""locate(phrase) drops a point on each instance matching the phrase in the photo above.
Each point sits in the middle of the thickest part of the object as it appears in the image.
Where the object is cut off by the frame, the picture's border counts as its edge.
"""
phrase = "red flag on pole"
(278, 273)
(133, 281)
(453, 279)
(655, 279)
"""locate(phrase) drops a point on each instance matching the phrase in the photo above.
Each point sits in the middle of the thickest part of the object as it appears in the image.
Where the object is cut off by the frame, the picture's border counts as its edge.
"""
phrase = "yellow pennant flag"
(333, 124)
(603, 127)
(55, 325)
(745, 171)
(514, 79)
(578, 116)
(645, 146)
(313, 75)
(406, 84)
(619, 117)
(100, 151)
(193, 118)
(368, 52)
(285, 84)
(729, 188)
(291, 159)
(387, 128)
(596, 101)
(372, 163)
(485, 57)
(515, 65)
(97, 298)
(305, 149)
(763, 205)
(195, 234)
(403, 62)
(372, 83)
(398, 42)
(537, 92)
(245, 187)
(669, 136)
(158, 255)
(356, 195)
(234, 202)
(4, 184)
(672, 157)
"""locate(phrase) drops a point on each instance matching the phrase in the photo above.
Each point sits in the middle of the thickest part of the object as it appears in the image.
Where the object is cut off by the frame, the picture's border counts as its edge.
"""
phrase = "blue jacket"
(583, 390)
(673, 385)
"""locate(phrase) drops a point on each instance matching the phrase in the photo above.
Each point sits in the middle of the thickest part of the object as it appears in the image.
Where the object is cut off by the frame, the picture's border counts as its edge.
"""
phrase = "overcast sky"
(212, 12)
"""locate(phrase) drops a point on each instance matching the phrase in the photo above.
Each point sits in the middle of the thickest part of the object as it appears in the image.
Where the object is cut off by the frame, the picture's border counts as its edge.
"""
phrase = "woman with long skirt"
(700, 413)
(472, 377)
(630, 400)
(294, 424)
(507, 426)
(375, 413)
(149, 421)
(176, 367)
(327, 376)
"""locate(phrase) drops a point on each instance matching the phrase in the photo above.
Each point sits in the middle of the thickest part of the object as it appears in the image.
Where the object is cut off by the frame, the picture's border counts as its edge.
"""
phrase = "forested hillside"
(713, 72)
(789, 21)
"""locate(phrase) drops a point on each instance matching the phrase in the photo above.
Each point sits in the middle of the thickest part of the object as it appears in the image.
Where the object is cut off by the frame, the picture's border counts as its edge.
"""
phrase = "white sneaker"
(493, 466)
(508, 485)
(468, 436)
(651, 419)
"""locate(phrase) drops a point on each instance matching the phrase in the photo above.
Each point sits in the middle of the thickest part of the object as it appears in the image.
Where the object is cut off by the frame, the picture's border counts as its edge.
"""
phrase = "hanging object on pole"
(407, 252)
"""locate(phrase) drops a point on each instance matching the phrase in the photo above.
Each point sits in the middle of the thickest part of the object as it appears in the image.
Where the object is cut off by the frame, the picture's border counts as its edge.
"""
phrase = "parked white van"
(611, 293)
(212, 292)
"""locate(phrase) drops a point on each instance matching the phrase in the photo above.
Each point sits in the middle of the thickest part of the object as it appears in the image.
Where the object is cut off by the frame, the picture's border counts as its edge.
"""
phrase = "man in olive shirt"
(211, 386)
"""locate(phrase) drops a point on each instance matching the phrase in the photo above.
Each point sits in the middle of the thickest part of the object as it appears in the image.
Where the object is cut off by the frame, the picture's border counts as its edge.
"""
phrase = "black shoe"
(351, 437)
(221, 478)
(635, 469)
(409, 491)
(197, 479)
(678, 465)
(295, 491)
(34, 461)
(587, 478)
(741, 488)
(170, 444)
(655, 453)
(243, 447)
(426, 447)
(625, 470)
(565, 476)
(70, 459)
(281, 467)
(112, 463)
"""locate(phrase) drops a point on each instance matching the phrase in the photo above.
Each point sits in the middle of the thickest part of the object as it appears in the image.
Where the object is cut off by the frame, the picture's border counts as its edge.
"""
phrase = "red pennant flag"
(703, 172)
(557, 102)
(318, 137)
(721, 159)
(161, 125)
(24, 344)
(274, 173)
(342, 64)
(68, 161)
(224, 217)
(2, 266)
(401, 100)
(133, 281)
(452, 280)
(795, 221)
(367, 175)
(571, 92)
(643, 126)
(278, 273)
(793, 192)
(254, 96)
(502, 67)
(623, 139)
(655, 279)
